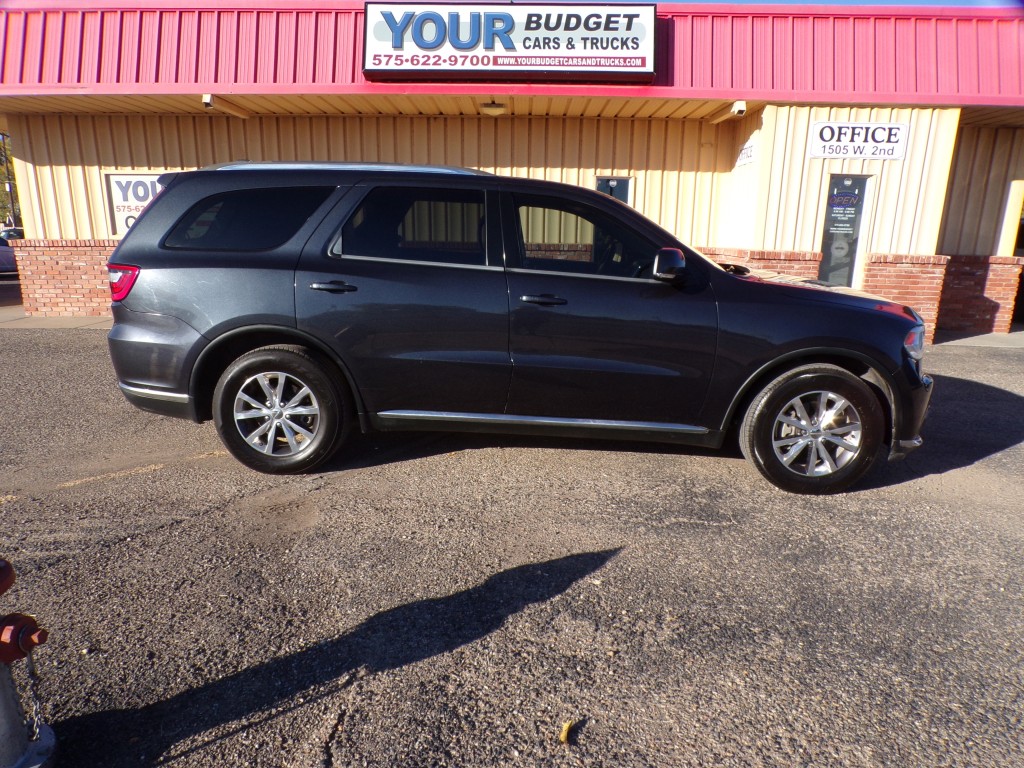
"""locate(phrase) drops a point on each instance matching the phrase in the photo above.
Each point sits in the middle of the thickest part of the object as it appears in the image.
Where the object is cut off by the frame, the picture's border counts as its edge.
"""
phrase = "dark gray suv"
(294, 303)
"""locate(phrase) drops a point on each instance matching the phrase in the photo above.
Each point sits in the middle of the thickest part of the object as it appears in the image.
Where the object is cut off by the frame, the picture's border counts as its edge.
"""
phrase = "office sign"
(509, 41)
(859, 141)
(746, 154)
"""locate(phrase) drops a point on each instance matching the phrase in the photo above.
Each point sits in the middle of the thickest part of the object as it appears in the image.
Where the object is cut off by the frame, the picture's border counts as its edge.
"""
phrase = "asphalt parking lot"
(453, 601)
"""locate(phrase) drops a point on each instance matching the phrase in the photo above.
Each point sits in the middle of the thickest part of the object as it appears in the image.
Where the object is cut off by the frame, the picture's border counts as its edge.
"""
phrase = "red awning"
(782, 54)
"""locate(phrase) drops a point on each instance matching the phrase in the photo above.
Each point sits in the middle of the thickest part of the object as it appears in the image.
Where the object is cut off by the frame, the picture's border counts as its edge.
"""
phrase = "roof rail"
(247, 165)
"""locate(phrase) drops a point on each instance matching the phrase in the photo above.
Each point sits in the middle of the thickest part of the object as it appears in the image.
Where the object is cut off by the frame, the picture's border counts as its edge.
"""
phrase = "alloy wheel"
(817, 433)
(276, 413)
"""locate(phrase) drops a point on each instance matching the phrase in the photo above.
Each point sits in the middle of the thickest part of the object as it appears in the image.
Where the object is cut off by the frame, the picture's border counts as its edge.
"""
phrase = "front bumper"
(901, 448)
(907, 435)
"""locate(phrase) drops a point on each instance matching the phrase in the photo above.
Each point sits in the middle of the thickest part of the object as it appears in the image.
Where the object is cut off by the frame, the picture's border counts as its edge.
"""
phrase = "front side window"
(246, 219)
(562, 236)
(413, 224)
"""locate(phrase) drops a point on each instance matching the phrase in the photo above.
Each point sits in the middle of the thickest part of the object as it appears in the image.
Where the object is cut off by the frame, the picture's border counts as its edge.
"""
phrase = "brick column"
(915, 281)
(978, 294)
(64, 278)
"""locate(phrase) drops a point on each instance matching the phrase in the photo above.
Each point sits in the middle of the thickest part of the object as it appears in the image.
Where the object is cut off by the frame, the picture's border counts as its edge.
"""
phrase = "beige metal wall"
(740, 198)
(686, 174)
(983, 208)
(905, 198)
(677, 166)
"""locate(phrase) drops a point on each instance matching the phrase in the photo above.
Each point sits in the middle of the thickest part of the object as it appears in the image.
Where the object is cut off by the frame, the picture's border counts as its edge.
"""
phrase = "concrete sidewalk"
(1014, 339)
(12, 315)
(15, 317)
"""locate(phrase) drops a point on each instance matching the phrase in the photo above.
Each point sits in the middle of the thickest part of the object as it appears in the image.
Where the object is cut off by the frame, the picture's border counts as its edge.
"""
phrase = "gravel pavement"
(453, 601)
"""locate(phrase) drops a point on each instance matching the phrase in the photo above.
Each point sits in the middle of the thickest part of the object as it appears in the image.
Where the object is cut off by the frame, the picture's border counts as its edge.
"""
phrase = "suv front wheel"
(815, 429)
(278, 410)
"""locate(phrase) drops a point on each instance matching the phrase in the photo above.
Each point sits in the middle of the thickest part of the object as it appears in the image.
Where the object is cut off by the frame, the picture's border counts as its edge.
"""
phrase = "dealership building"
(877, 146)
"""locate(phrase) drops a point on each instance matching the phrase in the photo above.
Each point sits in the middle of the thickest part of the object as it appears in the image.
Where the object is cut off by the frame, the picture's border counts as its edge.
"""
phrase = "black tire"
(815, 429)
(280, 410)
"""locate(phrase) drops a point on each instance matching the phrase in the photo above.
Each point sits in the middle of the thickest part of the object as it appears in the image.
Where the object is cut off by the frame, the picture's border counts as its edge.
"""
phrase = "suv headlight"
(914, 342)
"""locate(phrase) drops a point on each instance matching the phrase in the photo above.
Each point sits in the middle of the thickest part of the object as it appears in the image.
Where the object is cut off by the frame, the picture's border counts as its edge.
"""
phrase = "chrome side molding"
(154, 394)
(508, 420)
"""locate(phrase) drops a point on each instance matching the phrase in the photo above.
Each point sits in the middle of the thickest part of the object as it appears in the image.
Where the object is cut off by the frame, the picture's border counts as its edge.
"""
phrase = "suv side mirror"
(669, 264)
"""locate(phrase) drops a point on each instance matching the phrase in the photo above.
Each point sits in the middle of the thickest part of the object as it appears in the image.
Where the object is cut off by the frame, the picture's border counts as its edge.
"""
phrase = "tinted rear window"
(443, 226)
(246, 219)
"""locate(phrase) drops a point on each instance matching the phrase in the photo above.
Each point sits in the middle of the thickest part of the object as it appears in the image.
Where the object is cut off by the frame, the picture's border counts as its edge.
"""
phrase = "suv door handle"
(545, 300)
(334, 286)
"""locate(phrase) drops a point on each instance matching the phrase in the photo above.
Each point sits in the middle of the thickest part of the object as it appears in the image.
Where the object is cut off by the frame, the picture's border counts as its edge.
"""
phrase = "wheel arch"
(226, 348)
(860, 365)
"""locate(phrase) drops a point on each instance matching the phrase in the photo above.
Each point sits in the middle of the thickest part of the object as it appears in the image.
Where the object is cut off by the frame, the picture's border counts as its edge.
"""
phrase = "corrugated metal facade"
(685, 172)
(946, 56)
(906, 197)
(988, 163)
(88, 91)
(678, 165)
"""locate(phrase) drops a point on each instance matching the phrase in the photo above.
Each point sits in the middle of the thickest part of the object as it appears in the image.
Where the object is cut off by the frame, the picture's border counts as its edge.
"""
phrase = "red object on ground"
(19, 633)
(6, 576)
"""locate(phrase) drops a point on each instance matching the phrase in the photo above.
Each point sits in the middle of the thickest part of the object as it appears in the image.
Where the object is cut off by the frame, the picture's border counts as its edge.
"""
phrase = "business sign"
(844, 211)
(509, 41)
(128, 194)
(859, 141)
(746, 154)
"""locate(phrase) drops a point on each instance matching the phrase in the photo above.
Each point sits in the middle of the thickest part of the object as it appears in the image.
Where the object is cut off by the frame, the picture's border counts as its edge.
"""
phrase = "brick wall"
(560, 251)
(912, 280)
(978, 294)
(64, 277)
(796, 263)
(915, 281)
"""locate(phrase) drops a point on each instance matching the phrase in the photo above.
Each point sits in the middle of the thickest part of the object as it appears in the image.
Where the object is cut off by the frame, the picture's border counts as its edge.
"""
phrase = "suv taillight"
(122, 278)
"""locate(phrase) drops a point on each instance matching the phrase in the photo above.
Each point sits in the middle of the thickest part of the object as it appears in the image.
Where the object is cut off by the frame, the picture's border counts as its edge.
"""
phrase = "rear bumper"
(153, 355)
(164, 402)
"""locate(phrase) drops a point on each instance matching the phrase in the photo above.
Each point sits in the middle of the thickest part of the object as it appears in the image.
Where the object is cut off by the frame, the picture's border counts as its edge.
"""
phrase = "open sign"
(128, 194)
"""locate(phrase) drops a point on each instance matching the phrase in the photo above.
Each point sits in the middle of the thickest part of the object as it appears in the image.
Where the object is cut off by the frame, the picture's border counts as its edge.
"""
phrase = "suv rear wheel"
(815, 429)
(278, 410)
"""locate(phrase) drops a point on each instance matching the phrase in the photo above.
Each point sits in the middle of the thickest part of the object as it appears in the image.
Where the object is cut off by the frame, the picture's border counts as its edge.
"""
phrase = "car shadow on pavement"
(967, 422)
(379, 449)
(387, 640)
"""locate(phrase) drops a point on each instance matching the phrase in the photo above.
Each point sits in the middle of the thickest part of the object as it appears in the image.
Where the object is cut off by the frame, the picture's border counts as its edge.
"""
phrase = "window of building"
(247, 219)
(561, 236)
(433, 225)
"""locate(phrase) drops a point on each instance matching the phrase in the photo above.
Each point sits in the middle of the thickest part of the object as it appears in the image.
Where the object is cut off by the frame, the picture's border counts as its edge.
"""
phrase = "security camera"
(208, 100)
(739, 108)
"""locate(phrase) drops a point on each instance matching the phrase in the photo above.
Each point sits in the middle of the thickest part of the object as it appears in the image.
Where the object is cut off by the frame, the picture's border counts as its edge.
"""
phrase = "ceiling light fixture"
(494, 108)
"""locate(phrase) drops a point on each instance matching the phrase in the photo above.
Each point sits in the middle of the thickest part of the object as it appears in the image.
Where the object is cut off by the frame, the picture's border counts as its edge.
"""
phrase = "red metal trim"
(805, 97)
(664, 9)
(795, 54)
